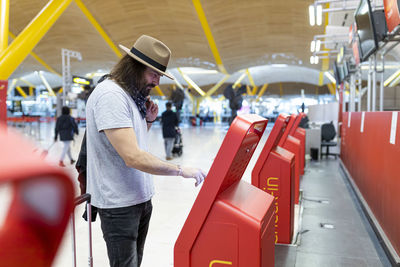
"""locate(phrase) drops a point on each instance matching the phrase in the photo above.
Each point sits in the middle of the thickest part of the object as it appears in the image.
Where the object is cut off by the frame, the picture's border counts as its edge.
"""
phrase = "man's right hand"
(195, 173)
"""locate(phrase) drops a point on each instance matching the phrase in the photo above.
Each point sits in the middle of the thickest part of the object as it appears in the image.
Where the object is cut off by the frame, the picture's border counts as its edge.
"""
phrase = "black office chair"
(328, 133)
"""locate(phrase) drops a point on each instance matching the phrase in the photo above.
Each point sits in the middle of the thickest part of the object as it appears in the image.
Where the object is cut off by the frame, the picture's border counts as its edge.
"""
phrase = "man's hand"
(195, 173)
(152, 110)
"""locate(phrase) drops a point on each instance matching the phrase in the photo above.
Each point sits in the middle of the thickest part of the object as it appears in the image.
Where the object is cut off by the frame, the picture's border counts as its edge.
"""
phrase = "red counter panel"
(373, 162)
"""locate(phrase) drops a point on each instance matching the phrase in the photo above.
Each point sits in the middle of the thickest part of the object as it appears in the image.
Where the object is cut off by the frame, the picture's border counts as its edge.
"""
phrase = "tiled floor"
(348, 244)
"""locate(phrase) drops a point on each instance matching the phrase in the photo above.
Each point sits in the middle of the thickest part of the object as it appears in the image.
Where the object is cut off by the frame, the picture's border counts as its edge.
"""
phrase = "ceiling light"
(312, 49)
(312, 59)
(311, 12)
(318, 45)
(316, 60)
(200, 71)
(279, 65)
(319, 15)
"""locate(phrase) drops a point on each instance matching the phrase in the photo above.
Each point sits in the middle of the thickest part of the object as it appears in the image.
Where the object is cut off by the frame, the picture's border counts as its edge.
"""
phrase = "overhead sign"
(82, 80)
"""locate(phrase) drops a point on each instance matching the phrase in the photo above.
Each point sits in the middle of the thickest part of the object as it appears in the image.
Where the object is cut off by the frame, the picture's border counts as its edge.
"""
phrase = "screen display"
(365, 29)
(336, 73)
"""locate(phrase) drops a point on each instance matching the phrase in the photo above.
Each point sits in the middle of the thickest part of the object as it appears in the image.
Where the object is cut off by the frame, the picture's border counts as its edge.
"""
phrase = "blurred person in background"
(169, 121)
(66, 127)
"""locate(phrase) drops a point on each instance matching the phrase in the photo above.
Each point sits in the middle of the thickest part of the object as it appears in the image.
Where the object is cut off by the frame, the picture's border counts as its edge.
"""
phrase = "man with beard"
(119, 113)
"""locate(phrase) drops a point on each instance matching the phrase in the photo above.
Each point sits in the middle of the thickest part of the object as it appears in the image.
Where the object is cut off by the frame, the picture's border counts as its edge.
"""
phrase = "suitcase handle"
(82, 198)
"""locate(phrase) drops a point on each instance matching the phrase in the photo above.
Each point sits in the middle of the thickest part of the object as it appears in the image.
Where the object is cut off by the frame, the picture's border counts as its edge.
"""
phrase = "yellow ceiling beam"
(254, 92)
(321, 78)
(331, 88)
(158, 89)
(4, 23)
(217, 86)
(239, 80)
(181, 86)
(248, 90)
(97, 26)
(35, 56)
(26, 82)
(20, 48)
(46, 84)
(209, 36)
(192, 83)
(21, 92)
(30, 91)
(262, 91)
(391, 78)
(250, 78)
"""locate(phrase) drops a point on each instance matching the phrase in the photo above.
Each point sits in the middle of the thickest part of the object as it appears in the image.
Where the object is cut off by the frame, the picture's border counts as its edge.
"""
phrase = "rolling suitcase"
(85, 198)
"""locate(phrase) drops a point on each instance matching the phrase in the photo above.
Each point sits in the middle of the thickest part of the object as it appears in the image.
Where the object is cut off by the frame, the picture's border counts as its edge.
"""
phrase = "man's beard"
(145, 89)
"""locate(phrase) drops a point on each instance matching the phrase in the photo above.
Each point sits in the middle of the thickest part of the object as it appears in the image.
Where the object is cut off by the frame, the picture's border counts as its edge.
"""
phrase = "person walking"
(169, 121)
(119, 114)
(65, 127)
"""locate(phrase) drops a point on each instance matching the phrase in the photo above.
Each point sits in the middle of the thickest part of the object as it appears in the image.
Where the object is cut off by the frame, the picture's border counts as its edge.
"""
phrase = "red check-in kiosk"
(293, 145)
(231, 222)
(300, 133)
(274, 173)
(42, 199)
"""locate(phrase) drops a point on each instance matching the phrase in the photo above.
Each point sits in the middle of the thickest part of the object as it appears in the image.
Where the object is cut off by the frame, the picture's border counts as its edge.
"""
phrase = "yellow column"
(30, 36)
(4, 22)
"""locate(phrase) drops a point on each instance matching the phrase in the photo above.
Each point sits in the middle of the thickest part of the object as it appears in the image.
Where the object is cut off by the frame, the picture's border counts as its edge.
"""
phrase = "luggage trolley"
(79, 200)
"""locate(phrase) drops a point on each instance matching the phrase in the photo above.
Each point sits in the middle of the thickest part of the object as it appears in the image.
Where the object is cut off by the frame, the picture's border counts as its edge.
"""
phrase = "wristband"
(180, 172)
(151, 121)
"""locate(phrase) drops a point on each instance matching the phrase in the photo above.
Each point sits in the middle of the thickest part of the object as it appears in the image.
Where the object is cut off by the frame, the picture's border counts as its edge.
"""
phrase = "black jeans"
(125, 231)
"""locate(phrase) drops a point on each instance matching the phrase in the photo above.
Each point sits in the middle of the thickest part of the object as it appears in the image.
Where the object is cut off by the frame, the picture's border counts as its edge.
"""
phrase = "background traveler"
(169, 121)
(66, 127)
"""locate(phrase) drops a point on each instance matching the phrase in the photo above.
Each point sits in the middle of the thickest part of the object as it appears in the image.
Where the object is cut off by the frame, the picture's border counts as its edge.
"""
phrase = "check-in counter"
(293, 145)
(300, 134)
(231, 222)
(274, 173)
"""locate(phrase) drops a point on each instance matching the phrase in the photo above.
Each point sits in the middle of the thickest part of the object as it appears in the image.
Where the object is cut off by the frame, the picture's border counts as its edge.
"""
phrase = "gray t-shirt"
(109, 181)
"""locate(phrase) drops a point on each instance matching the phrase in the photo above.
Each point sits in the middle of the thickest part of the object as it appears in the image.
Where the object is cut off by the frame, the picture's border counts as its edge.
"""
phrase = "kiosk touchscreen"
(300, 133)
(231, 221)
(274, 173)
(293, 145)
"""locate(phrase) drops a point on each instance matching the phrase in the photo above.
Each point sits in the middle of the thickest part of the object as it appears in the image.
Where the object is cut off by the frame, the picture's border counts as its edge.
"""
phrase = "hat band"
(148, 60)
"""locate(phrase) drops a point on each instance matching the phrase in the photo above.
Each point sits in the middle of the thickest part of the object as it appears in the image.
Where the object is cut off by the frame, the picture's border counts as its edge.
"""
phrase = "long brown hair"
(129, 73)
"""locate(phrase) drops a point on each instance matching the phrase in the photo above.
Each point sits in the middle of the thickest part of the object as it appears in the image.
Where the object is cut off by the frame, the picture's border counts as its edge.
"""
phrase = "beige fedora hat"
(151, 52)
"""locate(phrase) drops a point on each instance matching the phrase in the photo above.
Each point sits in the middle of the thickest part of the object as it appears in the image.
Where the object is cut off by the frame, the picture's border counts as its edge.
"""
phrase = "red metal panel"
(300, 134)
(3, 98)
(373, 163)
(392, 14)
(234, 227)
(225, 200)
(32, 230)
(274, 173)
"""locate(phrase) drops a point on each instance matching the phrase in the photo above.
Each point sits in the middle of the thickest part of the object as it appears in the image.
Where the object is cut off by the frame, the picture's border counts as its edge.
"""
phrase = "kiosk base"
(240, 222)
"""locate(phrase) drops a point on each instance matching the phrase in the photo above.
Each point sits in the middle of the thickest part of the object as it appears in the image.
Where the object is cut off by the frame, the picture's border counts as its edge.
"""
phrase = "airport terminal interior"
(290, 107)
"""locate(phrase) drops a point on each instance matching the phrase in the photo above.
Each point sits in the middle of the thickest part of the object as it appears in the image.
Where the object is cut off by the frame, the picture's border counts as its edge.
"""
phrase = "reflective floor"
(333, 230)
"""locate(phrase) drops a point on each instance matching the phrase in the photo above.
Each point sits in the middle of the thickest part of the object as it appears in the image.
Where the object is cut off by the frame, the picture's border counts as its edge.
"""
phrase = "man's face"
(151, 80)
